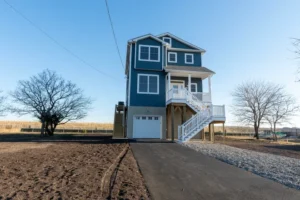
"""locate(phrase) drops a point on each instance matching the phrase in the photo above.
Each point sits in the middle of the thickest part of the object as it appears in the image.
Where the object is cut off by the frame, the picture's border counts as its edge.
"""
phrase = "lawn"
(68, 167)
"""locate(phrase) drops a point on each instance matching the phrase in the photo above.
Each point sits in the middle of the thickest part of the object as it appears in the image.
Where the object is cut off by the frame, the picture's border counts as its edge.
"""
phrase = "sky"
(244, 40)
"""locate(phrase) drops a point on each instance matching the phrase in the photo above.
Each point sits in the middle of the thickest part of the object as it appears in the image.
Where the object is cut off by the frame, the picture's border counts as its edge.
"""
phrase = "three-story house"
(164, 90)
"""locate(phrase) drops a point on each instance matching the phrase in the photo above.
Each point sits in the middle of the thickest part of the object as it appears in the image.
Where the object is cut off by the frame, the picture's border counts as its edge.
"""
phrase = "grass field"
(15, 126)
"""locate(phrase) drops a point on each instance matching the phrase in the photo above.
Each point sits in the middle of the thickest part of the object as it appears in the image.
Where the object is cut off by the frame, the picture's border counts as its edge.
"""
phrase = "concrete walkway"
(172, 171)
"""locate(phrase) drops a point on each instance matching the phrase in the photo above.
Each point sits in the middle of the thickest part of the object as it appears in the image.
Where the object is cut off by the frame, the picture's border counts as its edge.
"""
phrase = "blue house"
(164, 90)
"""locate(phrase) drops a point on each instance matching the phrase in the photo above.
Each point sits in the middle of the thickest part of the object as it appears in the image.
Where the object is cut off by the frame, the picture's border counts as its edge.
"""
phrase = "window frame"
(149, 53)
(148, 75)
(196, 87)
(169, 39)
(185, 58)
(175, 57)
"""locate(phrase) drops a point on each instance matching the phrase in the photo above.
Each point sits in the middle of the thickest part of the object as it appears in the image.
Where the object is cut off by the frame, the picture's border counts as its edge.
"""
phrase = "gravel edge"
(281, 169)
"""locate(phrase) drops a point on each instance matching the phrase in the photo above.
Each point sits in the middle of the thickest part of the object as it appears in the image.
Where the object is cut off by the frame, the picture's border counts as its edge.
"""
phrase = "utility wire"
(114, 34)
(55, 41)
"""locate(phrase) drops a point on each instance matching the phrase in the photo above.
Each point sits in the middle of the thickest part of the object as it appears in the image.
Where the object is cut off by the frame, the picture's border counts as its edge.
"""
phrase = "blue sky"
(245, 40)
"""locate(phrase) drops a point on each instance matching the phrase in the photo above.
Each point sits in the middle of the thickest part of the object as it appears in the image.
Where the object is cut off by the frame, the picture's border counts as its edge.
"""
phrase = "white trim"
(129, 75)
(168, 42)
(188, 54)
(148, 75)
(135, 55)
(185, 50)
(181, 40)
(169, 57)
(146, 36)
(149, 46)
(196, 87)
(163, 58)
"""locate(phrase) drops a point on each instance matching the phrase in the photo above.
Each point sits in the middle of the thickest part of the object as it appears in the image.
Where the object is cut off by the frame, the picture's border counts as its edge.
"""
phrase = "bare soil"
(66, 169)
(265, 146)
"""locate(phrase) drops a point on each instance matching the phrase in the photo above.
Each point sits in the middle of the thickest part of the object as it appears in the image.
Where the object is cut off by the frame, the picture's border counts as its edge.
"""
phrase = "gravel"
(281, 169)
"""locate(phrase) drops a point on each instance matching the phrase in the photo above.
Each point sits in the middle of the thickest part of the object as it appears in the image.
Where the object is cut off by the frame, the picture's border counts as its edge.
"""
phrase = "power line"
(55, 41)
(114, 34)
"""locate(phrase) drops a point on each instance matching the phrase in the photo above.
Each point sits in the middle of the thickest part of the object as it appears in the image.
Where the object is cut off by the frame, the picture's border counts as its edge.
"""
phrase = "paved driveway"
(172, 171)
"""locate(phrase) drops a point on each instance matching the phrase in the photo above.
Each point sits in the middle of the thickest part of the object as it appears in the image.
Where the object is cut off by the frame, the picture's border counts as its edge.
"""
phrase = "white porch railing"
(206, 112)
(182, 94)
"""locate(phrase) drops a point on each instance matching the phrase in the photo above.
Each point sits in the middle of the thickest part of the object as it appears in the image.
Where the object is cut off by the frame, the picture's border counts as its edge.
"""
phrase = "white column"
(169, 81)
(189, 86)
(209, 87)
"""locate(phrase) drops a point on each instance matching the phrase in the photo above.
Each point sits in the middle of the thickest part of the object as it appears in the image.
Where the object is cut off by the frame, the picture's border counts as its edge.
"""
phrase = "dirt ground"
(265, 146)
(66, 169)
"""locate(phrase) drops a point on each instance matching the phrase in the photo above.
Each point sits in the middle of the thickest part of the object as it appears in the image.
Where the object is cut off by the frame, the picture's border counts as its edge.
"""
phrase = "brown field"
(266, 146)
(15, 126)
(69, 167)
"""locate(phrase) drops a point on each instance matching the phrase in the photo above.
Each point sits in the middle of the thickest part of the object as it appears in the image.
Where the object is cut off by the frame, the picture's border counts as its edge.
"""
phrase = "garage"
(145, 126)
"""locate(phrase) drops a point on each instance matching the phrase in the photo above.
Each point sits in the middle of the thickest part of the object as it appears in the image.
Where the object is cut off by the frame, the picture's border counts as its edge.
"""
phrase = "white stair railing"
(196, 123)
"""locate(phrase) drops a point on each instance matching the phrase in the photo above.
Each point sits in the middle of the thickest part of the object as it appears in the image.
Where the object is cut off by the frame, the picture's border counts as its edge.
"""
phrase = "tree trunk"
(43, 128)
(275, 132)
(256, 132)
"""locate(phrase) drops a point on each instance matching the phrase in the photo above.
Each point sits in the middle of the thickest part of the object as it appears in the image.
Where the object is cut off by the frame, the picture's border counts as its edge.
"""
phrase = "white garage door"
(145, 126)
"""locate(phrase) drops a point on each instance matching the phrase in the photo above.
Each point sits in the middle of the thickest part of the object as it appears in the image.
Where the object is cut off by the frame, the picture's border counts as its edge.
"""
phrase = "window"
(149, 53)
(193, 87)
(144, 118)
(172, 57)
(148, 84)
(189, 58)
(167, 40)
(155, 118)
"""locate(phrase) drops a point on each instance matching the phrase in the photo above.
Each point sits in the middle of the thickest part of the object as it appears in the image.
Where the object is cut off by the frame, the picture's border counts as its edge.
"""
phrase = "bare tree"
(3, 107)
(296, 44)
(252, 101)
(51, 99)
(281, 112)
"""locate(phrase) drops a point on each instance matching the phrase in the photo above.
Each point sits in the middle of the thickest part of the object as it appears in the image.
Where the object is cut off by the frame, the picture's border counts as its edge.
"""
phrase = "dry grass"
(15, 126)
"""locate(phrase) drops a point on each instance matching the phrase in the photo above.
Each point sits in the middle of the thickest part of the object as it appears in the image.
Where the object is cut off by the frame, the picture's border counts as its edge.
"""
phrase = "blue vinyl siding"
(152, 100)
(178, 44)
(181, 59)
(149, 65)
(186, 82)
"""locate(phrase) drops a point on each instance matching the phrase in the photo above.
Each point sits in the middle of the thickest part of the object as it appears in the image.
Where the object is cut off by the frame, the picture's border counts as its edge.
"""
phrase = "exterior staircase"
(203, 117)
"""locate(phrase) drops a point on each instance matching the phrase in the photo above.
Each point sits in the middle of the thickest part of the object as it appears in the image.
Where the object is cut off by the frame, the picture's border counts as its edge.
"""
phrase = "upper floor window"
(149, 53)
(148, 84)
(167, 40)
(172, 57)
(193, 87)
(189, 58)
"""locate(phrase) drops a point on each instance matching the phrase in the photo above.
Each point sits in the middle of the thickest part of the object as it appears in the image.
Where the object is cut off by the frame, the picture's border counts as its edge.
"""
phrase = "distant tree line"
(49, 98)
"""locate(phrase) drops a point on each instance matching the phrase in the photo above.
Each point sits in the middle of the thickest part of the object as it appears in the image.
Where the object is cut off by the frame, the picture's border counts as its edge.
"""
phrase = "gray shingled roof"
(187, 68)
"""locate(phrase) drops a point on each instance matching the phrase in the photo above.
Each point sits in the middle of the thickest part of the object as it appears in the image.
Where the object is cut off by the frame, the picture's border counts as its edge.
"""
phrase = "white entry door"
(177, 86)
(145, 126)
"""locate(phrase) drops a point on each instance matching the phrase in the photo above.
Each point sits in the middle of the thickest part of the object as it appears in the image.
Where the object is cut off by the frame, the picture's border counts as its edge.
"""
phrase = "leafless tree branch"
(51, 99)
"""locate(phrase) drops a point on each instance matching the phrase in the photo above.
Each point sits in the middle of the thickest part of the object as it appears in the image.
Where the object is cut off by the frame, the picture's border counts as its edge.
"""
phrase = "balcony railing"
(182, 94)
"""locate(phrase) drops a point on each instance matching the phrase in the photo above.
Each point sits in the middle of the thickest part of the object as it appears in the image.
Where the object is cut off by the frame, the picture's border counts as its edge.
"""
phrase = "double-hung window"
(193, 87)
(149, 53)
(189, 58)
(167, 40)
(172, 57)
(148, 84)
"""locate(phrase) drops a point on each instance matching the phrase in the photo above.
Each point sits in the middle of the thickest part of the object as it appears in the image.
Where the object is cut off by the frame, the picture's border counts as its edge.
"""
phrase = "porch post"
(172, 122)
(209, 87)
(169, 81)
(189, 86)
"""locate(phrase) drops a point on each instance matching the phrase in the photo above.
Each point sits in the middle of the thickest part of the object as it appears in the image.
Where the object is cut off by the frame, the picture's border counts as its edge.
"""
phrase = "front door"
(178, 87)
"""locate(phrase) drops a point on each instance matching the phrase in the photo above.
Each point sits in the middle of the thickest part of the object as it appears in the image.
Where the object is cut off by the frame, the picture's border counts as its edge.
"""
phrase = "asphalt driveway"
(172, 171)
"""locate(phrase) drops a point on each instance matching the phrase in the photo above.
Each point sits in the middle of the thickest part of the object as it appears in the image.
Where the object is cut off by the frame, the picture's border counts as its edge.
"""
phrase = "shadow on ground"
(80, 138)
(285, 147)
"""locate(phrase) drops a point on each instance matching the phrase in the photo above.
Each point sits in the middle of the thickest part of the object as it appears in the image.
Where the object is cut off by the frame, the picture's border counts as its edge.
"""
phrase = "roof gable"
(148, 36)
(181, 41)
